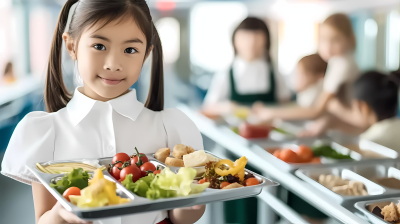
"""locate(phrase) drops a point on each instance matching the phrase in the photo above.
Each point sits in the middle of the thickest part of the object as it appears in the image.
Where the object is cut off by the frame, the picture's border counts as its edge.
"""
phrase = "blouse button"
(110, 147)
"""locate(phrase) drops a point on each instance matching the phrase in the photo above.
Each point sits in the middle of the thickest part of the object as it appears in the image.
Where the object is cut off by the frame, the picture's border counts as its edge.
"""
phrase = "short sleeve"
(181, 130)
(337, 74)
(219, 90)
(31, 142)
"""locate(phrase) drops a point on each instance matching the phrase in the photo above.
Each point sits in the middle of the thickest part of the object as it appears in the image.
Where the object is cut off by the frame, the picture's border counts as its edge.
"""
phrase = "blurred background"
(196, 39)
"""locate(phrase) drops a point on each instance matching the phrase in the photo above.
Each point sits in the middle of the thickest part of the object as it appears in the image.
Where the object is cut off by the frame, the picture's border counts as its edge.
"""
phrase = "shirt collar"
(127, 105)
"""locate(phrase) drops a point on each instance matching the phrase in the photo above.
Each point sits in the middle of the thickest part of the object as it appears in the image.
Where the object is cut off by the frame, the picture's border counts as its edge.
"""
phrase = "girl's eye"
(130, 50)
(100, 47)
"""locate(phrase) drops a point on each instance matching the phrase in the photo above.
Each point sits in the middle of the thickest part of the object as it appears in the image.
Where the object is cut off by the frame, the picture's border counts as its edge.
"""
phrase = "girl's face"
(332, 43)
(250, 44)
(109, 59)
(303, 79)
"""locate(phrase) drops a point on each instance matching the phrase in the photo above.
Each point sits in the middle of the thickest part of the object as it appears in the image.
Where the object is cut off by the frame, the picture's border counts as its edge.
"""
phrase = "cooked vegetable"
(174, 162)
(77, 178)
(202, 181)
(251, 182)
(63, 168)
(71, 191)
(123, 157)
(100, 192)
(139, 159)
(224, 184)
(162, 154)
(287, 155)
(327, 151)
(305, 153)
(234, 168)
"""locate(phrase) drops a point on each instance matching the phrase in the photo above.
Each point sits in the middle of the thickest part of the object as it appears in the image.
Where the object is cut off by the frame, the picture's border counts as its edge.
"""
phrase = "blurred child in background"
(336, 47)
(308, 80)
(251, 77)
(9, 76)
(376, 104)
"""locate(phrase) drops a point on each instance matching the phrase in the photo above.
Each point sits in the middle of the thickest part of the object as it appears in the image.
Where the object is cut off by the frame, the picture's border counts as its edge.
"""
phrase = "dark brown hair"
(342, 24)
(87, 14)
(314, 64)
(254, 24)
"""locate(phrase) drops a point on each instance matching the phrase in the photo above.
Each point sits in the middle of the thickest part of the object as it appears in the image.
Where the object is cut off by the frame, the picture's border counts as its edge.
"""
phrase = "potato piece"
(198, 158)
(390, 213)
(190, 150)
(233, 185)
(162, 154)
(169, 161)
(179, 151)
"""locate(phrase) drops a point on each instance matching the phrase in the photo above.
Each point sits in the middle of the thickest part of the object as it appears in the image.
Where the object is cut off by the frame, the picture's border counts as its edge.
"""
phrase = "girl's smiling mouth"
(110, 81)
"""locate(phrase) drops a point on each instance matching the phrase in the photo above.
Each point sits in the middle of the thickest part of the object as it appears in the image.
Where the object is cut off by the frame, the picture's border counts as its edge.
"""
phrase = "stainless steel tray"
(290, 167)
(363, 206)
(363, 147)
(365, 172)
(139, 204)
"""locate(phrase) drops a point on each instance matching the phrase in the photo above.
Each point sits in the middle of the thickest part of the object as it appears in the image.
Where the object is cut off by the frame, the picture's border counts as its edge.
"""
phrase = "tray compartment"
(366, 207)
(311, 176)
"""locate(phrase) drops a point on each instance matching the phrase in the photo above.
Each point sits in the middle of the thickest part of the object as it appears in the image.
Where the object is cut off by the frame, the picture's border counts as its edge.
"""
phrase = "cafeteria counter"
(257, 157)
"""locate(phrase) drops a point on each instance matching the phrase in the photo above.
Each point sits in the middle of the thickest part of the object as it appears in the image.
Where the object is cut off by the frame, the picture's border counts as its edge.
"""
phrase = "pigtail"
(56, 95)
(155, 99)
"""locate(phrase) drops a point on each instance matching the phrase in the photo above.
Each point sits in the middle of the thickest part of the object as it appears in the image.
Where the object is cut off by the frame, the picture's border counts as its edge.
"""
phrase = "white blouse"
(92, 129)
(250, 78)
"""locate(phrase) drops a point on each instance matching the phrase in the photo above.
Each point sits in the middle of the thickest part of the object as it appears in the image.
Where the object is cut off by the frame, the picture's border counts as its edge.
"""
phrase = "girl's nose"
(112, 64)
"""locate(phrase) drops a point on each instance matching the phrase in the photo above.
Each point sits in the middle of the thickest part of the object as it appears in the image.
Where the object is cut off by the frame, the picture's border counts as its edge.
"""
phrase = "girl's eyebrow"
(134, 40)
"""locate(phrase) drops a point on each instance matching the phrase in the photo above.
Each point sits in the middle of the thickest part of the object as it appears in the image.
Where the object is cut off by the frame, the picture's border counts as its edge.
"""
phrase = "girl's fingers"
(69, 217)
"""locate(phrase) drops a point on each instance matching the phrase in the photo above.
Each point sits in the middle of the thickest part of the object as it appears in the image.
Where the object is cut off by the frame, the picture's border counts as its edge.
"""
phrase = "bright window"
(41, 28)
(211, 28)
(169, 31)
(392, 41)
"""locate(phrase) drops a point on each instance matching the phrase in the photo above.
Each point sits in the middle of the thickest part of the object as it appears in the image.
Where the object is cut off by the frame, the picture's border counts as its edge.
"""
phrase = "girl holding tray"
(109, 40)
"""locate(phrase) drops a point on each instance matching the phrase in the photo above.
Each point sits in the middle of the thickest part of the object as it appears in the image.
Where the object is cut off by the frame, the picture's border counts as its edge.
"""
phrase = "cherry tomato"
(252, 181)
(135, 159)
(123, 157)
(157, 172)
(148, 166)
(224, 184)
(202, 181)
(71, 191)
(134, 170)
(115, 172)
(120, 180)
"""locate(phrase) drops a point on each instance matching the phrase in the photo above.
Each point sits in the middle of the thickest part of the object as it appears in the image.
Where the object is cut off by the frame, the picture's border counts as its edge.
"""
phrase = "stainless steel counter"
(264, 161)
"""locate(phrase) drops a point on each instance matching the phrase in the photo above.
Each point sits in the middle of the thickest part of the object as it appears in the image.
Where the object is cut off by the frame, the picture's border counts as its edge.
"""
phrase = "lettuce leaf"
(77, 178)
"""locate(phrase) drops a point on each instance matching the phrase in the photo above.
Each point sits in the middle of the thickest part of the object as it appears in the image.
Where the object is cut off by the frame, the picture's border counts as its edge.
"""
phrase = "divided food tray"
(139, 204)
(357, 157)
(363, 206)
(365, 172)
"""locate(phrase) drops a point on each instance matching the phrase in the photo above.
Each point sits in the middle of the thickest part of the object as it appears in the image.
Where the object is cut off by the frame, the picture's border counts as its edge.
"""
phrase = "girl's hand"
(263, 113)
(66, 216)
(196, 207)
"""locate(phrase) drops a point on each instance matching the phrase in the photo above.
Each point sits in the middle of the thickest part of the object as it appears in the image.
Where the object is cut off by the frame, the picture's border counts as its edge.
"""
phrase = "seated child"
(376, 101)
(309, 77)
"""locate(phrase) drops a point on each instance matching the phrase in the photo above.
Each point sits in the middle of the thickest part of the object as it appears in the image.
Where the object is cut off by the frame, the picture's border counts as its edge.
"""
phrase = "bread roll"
(162, 154)
(169, 161)
(190, 150)
(179, 151)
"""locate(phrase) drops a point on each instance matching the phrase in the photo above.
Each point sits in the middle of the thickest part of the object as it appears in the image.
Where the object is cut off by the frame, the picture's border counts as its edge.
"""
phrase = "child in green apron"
(257, 82)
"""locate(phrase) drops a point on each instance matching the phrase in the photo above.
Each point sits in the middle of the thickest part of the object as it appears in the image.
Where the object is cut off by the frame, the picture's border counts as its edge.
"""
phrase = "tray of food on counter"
(372, 150)
(381, 211)
(293, 155)
(123, 184)
(351, 182)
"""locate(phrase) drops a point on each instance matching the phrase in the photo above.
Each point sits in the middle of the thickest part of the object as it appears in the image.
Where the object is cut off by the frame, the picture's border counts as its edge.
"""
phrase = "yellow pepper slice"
(234, 168)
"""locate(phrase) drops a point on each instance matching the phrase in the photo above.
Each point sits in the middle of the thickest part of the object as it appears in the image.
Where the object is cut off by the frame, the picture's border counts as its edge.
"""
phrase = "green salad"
(77, 178)
(329, 152)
